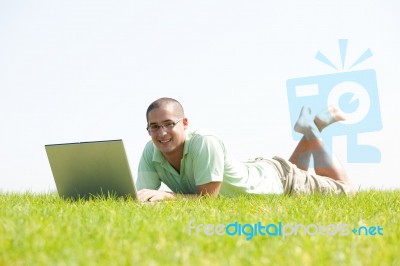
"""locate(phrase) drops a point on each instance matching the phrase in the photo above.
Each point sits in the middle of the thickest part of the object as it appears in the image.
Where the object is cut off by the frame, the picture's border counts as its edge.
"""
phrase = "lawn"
(250, 230)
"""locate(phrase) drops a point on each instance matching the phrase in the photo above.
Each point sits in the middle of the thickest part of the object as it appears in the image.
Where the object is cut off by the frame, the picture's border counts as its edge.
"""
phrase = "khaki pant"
(297, 181)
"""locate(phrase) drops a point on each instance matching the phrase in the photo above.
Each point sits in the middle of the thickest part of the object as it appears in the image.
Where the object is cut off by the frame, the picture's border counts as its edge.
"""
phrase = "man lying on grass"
(197, 163)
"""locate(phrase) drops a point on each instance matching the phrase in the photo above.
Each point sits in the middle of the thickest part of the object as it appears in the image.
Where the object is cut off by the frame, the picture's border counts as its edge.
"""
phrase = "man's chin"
(165, 149)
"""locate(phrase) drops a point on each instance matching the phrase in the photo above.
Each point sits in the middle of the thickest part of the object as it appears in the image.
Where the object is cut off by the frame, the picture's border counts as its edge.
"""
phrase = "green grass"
(46, 230)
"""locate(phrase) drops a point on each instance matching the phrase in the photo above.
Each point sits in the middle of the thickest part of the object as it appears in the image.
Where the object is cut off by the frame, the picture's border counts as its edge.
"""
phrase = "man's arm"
(209, 190)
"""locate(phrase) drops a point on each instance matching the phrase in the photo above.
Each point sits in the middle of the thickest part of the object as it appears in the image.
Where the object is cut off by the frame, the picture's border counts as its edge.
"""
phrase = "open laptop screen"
(87, 169)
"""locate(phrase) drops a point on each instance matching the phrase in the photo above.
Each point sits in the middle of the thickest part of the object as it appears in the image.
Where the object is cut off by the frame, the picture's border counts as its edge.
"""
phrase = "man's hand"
(154, 195)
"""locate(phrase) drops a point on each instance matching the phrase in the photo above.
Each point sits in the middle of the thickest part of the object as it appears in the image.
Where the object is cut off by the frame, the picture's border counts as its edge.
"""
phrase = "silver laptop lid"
(91, 168)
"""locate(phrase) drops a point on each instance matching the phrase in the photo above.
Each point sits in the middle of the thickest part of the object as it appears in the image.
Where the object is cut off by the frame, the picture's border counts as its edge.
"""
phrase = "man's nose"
(162, 131)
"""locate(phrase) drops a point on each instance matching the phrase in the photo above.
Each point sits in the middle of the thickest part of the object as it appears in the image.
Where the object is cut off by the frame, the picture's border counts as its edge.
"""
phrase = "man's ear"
(185, 123)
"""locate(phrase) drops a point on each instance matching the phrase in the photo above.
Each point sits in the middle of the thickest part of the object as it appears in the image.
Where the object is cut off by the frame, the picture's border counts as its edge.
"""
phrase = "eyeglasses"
(168, 125)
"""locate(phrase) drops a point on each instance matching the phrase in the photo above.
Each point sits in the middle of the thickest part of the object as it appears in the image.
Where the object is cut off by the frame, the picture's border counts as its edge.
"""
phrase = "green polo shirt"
(206, 159)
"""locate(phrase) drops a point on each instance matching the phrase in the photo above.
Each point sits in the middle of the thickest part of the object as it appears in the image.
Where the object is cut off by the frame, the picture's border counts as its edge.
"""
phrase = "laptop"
(89, 169)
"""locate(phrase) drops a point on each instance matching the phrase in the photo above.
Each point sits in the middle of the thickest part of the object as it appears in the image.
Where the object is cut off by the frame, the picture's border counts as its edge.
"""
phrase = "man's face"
(168, 139)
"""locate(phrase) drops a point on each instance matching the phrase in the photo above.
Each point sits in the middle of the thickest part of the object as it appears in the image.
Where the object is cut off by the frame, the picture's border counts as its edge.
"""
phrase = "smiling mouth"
(165, 141)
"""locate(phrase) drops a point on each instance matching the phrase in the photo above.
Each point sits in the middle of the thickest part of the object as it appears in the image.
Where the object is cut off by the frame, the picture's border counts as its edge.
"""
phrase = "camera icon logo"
(355, 93)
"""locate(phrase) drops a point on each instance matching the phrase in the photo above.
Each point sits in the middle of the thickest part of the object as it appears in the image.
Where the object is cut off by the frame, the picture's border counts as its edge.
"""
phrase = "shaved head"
(178, 109)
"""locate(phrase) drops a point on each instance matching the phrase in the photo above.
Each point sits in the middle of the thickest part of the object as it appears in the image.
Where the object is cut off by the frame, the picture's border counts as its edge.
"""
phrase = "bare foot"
(305, 124)
(328, 116)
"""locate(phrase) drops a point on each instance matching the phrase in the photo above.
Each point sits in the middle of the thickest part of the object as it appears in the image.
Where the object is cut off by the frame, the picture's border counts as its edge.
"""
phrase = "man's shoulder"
(149, 148)
(149, 145)
(201, 133)
(200, 137)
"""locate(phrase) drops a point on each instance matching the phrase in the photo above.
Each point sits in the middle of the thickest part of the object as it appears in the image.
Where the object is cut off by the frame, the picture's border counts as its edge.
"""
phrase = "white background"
(87, 70)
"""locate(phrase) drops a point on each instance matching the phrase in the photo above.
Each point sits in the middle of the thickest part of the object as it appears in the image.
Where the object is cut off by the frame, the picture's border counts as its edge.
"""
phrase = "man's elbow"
(209, 190)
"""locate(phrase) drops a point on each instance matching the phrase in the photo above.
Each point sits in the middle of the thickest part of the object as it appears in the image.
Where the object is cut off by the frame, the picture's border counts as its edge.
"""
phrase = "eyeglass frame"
(174, 123)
